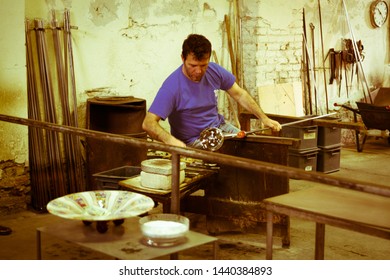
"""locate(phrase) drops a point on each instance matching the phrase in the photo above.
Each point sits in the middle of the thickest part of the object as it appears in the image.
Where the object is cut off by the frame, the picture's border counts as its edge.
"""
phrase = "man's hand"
(241, 96)
(274, 125)
(176, 142)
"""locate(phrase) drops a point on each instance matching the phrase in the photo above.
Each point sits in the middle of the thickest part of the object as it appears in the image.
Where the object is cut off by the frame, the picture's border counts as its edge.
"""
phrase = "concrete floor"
(372, 165)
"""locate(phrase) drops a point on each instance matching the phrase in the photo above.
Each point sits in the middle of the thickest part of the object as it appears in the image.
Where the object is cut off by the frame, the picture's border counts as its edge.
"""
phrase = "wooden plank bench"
(348, 209)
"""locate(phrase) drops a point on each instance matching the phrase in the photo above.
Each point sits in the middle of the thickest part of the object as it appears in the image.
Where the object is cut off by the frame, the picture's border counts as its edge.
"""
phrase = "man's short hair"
(198, 45)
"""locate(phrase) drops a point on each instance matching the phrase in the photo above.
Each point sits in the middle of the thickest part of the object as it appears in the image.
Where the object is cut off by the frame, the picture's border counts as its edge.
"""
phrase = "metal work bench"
(333, 206)
(196, 179)
(245, 121)
(234, 202)
(120, 242)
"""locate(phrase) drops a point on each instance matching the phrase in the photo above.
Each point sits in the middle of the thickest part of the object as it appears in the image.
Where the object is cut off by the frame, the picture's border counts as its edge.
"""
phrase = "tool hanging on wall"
(310, 62)
(349, 54)
(323, 57)
(212, 138)
(314, 66)
(349, 57)
(339, 62)
(309, 106)
(346, 78)
(332, 59)
(233, 65)
(335, 67)
(357, 54)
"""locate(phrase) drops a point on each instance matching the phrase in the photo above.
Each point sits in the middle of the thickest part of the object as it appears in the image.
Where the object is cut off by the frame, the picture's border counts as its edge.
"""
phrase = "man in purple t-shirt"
(188, 98)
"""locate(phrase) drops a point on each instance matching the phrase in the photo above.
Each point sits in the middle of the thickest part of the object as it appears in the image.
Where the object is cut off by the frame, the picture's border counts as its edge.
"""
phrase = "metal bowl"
(163, 230)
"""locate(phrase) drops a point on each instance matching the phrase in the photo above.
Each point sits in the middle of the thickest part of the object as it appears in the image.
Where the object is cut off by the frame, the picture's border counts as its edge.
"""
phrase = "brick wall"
(14, 187)
(271, 56)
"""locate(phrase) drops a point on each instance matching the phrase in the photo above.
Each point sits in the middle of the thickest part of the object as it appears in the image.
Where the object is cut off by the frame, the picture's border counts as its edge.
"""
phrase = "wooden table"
(348, 209)
(120, 242)
(195, 179)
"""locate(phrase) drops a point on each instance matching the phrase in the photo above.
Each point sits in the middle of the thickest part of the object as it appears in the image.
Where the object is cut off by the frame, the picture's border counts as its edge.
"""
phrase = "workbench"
(121, 242)
(195, 179)
(234, 201)
(359, 127)
(245, 121)
(348, 209)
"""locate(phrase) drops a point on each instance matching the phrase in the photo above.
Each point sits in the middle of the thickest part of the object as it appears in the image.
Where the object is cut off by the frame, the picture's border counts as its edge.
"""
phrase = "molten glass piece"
(241, 134)
(211, 138)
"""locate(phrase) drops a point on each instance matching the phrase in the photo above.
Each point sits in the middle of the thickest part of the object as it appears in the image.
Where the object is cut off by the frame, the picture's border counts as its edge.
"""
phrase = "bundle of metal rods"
(56, 160)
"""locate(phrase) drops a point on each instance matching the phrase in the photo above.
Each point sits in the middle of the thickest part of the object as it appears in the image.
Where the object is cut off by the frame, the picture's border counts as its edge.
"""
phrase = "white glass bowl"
(100, 206)
(163, 230)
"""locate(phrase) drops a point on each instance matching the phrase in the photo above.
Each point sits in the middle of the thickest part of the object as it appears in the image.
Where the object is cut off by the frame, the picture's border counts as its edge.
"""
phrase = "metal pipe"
(323, 57)
(68, 36)
(244, 133)
(218, 158)
(311, 62)
(39, 181)
(314, 65)
(175, 203)
(306, 60)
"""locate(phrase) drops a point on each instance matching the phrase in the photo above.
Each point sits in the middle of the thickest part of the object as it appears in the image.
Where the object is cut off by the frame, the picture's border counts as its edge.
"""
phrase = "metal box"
(329, 137)
(328, 160)
(307, 135)
(303, 159)
(118, 115)
(108, 180)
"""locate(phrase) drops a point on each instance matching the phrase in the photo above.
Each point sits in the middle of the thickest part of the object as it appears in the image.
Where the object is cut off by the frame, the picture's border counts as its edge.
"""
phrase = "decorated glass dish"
(100, 207)
(164, 230)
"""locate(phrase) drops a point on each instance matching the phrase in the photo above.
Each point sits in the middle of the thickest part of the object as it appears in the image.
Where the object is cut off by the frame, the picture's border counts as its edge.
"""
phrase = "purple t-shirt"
(191, 106)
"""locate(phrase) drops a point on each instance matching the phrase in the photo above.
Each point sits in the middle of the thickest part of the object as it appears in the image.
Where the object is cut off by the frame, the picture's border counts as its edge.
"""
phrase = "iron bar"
(311, 62)
(40, 183)
(68, 36)
(323, 57)
(175, 203)
(80, 174)
(218, 158)
(56, 161)
(72, 152)
(306, 60)
(53, 140)
(314, 66)
(232, 135)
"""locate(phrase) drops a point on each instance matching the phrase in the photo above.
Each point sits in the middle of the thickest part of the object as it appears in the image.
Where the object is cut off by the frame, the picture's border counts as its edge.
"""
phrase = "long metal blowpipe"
(212, 138)
(242, 134)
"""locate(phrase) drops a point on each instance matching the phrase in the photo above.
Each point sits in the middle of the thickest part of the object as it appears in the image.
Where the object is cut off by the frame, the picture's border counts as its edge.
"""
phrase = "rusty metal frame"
(206, 155)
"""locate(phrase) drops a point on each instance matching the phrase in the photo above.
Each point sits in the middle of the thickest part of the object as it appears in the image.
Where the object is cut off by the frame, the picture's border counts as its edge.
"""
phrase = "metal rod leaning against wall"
(210, 156)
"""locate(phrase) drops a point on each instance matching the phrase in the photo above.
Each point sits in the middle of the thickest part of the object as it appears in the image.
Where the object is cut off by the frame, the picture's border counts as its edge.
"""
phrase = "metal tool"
(212, 138)
(323, 57)
(314, 66)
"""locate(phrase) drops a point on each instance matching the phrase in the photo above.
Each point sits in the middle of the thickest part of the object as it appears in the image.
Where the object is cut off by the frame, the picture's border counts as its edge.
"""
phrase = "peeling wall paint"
(103, 12)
